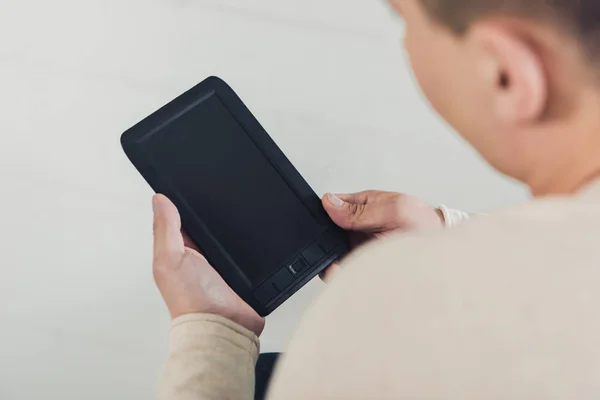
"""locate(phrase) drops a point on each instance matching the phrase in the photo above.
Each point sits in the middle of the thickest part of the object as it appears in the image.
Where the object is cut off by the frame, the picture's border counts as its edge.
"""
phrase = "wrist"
(188, 331)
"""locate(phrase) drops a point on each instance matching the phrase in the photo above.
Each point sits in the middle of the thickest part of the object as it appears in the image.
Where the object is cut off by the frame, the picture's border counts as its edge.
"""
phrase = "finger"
(356, 212)
(168, 241)
(327, 274)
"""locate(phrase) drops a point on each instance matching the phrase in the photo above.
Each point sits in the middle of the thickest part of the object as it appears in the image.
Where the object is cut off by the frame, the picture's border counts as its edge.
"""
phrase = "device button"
(282, 279)
(313, 254)
(265, 293)
(298, 266)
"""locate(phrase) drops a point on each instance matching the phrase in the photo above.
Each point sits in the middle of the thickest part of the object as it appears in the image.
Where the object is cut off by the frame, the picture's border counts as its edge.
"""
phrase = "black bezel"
(132, 143)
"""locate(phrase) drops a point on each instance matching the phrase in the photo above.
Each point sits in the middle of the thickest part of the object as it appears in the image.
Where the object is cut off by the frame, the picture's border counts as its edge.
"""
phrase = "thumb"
(348, 213)
(357, 212)
(168, 240)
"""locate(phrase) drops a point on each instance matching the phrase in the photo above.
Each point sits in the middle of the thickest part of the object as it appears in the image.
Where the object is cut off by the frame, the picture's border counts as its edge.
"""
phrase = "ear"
(515, 72)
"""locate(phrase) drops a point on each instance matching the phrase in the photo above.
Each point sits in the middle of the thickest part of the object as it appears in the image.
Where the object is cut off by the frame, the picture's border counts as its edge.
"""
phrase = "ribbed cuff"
(453, 217)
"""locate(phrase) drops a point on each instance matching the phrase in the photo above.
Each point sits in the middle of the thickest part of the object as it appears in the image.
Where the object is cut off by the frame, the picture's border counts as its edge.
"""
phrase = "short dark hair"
(579, 17)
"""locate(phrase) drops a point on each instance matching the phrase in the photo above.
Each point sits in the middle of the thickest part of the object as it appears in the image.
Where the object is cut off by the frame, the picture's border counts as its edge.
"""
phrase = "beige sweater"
(502, 307)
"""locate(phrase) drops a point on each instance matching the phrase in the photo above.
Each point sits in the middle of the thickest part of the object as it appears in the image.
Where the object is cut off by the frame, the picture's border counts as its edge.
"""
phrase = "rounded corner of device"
(215, 82)
(260, 309)
(214, 79)
(127, 141)
(264, 313)
(123, 139)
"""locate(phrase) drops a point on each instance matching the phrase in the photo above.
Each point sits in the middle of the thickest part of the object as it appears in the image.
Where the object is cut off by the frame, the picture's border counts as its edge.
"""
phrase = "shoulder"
(522, 226)
(532, 236)
(526, 257)
(430, 305)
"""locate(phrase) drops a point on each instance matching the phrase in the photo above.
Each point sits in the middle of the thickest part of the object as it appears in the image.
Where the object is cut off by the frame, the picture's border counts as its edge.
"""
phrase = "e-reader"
(250, 212)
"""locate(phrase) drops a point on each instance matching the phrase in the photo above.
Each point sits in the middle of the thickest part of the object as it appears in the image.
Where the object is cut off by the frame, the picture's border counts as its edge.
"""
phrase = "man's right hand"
(371, 214)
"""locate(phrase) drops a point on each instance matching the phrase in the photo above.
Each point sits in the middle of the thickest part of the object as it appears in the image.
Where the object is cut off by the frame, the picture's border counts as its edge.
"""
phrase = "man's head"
(518, 79)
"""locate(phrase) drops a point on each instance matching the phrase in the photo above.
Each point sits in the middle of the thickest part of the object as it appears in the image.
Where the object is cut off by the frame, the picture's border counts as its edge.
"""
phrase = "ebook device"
(250, 212)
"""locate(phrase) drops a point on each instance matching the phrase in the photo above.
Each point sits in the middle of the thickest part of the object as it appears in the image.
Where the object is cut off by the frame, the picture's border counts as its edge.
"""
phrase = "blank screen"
(210, 160)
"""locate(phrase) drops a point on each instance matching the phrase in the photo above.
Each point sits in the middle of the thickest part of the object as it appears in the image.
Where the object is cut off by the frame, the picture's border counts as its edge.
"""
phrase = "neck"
(568, 178)
(571, 150)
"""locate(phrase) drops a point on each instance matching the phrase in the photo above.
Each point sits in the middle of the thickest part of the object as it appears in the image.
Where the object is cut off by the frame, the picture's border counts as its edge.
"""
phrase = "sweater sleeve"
(210, 358)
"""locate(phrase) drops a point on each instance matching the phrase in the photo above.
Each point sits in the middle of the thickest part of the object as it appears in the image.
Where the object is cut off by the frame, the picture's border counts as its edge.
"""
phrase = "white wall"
(79, 315)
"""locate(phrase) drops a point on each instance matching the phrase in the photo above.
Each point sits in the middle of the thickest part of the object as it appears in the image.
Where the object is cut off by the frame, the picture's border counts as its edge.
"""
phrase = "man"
(501, 307)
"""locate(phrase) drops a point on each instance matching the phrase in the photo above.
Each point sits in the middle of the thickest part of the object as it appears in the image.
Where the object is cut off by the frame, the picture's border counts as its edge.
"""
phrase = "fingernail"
(336, 201)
